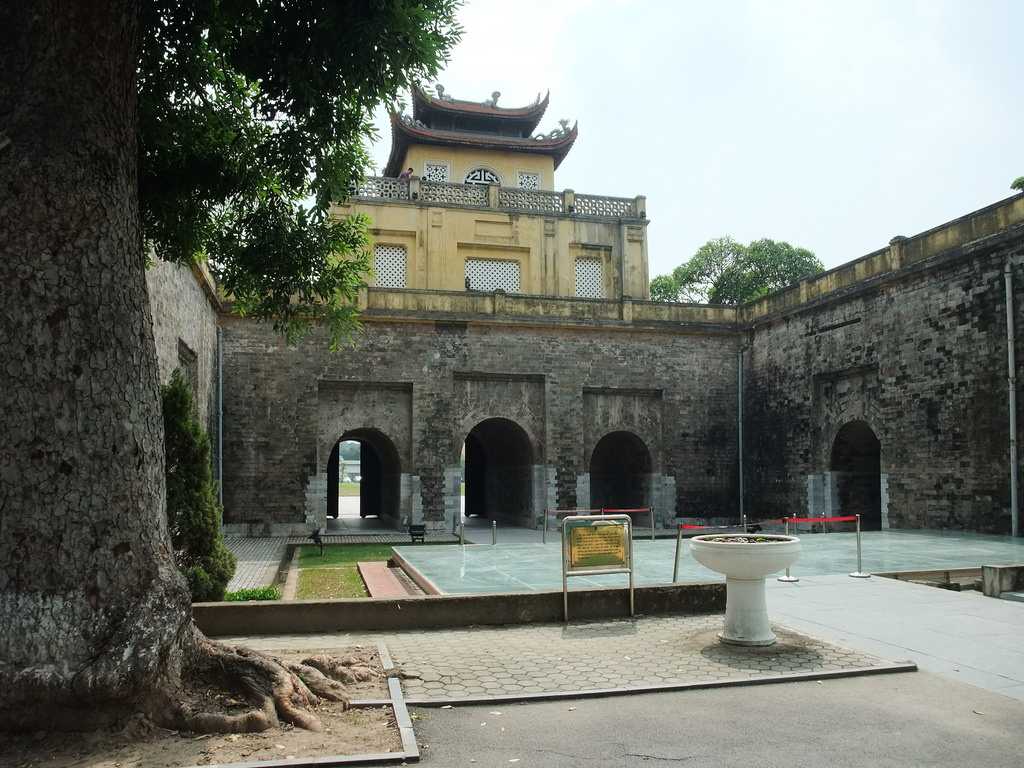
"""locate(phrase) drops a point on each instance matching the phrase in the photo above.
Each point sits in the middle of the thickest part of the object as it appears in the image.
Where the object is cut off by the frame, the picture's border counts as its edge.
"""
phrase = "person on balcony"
(405, 175)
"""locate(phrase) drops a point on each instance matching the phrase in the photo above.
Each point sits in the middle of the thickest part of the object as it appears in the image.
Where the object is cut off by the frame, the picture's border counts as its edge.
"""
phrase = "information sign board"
(595, 545)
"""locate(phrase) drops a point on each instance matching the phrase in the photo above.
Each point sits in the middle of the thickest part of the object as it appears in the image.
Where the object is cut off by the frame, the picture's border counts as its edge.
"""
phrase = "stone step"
(379, 580)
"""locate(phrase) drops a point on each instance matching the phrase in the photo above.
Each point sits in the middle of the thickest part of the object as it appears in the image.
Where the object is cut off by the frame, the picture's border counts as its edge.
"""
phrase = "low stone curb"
(594, 693)
(410, 750)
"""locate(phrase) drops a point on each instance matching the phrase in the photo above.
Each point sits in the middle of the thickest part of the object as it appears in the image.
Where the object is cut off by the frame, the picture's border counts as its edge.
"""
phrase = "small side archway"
(621, 472)
(856, 466)
(499, 472)
(380, 470)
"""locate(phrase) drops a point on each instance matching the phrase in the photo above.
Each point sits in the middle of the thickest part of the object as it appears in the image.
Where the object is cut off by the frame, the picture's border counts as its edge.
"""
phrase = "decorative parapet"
(388, 303)
(470, 195)
(901, 253)
(541, 202)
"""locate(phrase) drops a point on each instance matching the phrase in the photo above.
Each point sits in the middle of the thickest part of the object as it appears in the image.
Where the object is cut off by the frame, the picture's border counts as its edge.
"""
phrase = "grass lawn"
(325, 583)
(348, 489)
(335, 573)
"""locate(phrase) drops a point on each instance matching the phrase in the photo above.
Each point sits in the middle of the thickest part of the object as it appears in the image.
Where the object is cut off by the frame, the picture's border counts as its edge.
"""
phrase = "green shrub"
(193, 514)
(254, 593)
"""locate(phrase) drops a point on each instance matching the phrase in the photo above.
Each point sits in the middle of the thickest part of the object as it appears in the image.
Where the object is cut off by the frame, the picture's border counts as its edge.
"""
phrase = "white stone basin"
(745, 565)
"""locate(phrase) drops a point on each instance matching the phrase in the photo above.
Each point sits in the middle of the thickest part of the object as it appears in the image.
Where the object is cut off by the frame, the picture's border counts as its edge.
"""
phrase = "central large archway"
(380, 474)
(620, 472)
(856, 471)
(499, 472)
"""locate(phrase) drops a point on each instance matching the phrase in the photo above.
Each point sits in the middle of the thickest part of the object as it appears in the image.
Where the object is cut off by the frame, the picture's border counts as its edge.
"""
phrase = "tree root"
(278, 690)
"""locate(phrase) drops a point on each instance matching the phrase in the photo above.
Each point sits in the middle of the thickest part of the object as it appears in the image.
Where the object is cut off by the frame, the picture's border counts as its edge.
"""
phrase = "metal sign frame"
(593, 521)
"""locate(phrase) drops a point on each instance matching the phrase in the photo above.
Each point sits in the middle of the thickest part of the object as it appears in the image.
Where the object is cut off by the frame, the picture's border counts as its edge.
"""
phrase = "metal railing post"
(787, 578)
(544, 529)
(652, 523)
(675, 566)
(494, 532)
(859, 573)
(462, 532)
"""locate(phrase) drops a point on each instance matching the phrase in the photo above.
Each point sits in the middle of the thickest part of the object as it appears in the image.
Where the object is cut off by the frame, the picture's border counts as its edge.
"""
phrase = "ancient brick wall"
(426, 384)
(920, 356)
(185, 331)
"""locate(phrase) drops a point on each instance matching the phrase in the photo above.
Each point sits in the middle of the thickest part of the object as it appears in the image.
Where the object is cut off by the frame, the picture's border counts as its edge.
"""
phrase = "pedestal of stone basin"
(745, 559)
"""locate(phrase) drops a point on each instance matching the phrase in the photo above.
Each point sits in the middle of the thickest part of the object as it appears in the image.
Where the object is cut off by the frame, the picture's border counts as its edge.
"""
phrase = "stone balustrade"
(536, 201)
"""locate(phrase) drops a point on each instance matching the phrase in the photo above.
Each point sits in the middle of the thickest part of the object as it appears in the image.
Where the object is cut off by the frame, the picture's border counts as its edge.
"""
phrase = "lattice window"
(435, 171)
(589, 278)
(389, 266)
(482, 176)
(492, 275)
(529, 180)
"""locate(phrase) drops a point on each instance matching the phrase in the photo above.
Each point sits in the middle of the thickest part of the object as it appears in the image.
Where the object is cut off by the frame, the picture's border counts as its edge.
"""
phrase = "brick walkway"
(258, 560)
(552, 658)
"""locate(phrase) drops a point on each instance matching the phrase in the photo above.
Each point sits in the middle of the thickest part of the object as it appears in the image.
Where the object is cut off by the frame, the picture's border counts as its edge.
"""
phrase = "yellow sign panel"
(595, 546)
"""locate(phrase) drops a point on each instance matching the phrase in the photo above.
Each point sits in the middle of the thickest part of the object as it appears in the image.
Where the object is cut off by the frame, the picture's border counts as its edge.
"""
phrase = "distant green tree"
(349, 450)
(723, 271)
(193, 514)
(1018, 184)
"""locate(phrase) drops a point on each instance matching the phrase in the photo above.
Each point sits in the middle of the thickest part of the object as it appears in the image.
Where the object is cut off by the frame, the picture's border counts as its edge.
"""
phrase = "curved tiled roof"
(424, 105)
(403, 134)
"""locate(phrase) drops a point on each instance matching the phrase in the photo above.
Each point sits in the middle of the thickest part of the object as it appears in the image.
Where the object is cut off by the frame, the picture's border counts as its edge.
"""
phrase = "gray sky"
(833, 125)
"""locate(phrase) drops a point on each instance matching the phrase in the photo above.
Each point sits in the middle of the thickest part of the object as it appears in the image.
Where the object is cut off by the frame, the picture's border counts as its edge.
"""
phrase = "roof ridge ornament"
(493, 101)
(441, 94)
(562, 131)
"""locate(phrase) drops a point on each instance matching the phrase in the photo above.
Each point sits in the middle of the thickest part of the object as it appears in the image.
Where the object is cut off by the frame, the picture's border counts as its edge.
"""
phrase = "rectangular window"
(492, 275)
(389, 266)
(435, 171)
(589, 279)
(529, 180)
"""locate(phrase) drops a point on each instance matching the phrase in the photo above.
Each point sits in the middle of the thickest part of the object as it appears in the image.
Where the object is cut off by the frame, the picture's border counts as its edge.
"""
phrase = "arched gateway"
(620, 472)
(856, 473)
(499, 472)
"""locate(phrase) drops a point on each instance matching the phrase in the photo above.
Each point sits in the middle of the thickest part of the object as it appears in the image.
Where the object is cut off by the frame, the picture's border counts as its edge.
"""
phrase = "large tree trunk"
(93, 612)
(95, 620)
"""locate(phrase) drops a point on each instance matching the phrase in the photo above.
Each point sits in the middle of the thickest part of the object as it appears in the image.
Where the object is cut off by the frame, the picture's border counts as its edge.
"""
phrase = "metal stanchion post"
(652, 523)
(787, 578)
(494, 532)
(859, 573)
(679, 544)
(544, 529)
(462, 532)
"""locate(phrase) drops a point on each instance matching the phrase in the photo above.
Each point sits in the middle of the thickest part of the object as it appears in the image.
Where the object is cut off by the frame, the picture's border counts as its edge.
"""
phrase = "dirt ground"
(139, 744)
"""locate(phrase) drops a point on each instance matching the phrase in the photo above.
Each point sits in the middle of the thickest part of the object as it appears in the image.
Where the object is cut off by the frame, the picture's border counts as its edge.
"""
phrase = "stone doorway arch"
(499, 472)
(856, 469)
(621, 472)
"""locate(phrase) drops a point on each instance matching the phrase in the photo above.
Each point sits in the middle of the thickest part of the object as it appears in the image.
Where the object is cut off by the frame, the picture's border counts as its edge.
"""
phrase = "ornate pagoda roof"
(426, 108)
(406, 131)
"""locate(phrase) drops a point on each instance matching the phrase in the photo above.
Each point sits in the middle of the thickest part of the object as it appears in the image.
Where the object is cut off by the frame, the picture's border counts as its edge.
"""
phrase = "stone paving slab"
(257, 560)
(606, 656)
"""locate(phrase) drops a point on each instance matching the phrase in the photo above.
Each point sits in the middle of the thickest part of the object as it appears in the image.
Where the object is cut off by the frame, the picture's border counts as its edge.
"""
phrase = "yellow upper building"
(468, 202)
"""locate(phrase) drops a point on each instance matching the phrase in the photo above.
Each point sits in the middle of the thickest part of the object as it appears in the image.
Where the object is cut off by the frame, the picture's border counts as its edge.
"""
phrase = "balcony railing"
(543, 202)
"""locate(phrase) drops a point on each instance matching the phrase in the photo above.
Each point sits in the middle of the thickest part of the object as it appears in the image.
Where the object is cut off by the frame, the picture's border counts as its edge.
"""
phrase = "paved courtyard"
(527, 567)
(258, 560)
(612, 655)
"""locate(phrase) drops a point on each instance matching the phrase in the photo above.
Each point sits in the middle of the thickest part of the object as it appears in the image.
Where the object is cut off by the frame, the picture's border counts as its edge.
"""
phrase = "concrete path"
(258, 560)
(961, 636)
(890, 721)
(444, 665)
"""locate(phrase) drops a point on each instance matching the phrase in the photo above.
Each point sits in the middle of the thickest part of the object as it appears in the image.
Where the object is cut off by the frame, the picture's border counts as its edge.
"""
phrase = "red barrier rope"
(847, 519)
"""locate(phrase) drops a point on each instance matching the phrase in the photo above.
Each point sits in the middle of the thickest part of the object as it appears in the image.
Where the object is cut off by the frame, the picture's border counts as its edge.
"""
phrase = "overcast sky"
(832, 125)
